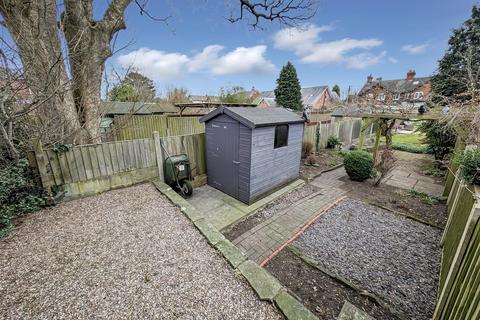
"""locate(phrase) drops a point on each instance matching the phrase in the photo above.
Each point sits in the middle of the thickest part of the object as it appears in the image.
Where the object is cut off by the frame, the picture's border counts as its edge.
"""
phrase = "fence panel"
(347, 130)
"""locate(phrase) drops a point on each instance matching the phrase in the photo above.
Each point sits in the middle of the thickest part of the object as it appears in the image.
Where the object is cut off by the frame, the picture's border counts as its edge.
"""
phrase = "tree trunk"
(33, 27)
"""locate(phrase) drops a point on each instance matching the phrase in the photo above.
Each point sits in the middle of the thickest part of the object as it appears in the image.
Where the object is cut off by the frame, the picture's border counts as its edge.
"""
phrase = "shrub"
(359, 165)
(18, 194)
(410, 148)
(469, 164)
(333, 142)
(306, 149)
(439, 136)
(311, 160)
(384, 165)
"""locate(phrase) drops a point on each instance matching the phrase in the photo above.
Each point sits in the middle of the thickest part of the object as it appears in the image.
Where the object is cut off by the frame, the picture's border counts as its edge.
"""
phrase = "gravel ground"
(125, 254)
(392, 257)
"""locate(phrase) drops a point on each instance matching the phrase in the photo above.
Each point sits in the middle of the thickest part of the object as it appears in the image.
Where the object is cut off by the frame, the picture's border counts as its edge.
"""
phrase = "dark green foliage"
(359, 165)
(469, 165)
(287, 93)
(336, 89)
(439, 136)
(452, 77)
(410, 148)
(333, 142)
(134, 88)
(235, 94)
(18, 194)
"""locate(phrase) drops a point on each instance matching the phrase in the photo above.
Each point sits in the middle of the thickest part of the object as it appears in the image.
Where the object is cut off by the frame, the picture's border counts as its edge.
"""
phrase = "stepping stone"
(350, 312)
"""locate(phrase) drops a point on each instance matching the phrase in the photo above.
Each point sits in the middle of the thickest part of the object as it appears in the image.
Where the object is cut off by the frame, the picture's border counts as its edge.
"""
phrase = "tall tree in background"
(235, 94)
(458, 76)
(134, 88)
(63, 54)
(336, 89)
(287, 92)
(177, 95)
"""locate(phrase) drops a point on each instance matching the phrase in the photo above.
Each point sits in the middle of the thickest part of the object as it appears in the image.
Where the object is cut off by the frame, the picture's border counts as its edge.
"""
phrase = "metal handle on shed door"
(236, 162)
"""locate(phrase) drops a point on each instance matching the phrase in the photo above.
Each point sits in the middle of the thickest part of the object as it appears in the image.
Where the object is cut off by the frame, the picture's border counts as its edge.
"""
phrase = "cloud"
(411, 49)
(155, 64)
(392, 60)
(160, 65)
(240, 60)
(306, 44)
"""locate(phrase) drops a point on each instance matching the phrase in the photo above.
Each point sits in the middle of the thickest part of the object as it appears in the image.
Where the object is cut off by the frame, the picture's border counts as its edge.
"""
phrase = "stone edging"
(324, 171)
(265, 285)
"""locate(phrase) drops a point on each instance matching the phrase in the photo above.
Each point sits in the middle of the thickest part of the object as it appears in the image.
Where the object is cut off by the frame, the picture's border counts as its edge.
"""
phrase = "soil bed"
(432, 212)
(319, 292)
(277, 205)
(394, 258)
(326, 159)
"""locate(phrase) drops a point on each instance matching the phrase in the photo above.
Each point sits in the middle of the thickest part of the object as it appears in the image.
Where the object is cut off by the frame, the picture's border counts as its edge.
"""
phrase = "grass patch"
(434, 172)
(424, 197)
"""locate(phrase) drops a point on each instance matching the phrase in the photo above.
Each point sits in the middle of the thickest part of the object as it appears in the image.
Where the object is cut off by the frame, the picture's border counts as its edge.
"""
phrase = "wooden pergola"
(370, 118)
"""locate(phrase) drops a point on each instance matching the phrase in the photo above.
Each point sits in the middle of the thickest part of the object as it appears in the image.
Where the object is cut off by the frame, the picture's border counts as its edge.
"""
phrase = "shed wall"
(271, 167)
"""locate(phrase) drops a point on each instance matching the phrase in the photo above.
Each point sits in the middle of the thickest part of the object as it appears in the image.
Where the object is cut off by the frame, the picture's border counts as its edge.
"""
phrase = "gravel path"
(125, 254)
(393, 257)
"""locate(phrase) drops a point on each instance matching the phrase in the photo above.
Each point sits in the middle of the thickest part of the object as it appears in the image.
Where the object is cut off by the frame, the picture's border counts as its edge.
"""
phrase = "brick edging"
(263, 283)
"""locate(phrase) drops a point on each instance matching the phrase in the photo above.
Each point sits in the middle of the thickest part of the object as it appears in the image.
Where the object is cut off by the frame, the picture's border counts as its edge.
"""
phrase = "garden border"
(263, 283)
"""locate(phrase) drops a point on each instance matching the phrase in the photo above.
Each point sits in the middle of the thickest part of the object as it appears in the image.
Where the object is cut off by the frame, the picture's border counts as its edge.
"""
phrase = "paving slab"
(350, 312)
(266, 286)
(233, 255)
(221, 210)
(292, 308)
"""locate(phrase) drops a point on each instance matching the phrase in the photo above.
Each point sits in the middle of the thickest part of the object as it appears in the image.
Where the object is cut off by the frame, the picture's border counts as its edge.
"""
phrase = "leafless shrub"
(306, 149)
(384, 165)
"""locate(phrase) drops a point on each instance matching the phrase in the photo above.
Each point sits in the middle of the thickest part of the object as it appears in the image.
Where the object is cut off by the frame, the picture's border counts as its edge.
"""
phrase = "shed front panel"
(272, 167)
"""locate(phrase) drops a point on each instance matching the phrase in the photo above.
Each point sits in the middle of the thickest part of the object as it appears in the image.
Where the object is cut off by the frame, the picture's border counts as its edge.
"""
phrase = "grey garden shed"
(252, 151)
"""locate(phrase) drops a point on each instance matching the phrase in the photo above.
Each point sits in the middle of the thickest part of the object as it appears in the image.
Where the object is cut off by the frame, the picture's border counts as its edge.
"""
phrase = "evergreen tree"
(453, 79)
(135, 88)
(287, 93)
(336, 89)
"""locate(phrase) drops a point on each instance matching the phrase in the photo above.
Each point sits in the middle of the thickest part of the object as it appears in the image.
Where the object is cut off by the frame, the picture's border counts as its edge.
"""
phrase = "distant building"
(317, 98)
(194, 98)
(400, 92)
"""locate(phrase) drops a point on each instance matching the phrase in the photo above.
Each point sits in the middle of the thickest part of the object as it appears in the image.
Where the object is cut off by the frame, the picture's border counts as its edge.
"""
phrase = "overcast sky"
(342, 44)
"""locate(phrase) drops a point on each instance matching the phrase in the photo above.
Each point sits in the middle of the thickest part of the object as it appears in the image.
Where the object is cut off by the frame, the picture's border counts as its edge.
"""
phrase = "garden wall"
(90, 169)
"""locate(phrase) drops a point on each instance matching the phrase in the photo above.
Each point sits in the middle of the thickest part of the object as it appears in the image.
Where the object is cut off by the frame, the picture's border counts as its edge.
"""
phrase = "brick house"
(316, 98)
(400, 92)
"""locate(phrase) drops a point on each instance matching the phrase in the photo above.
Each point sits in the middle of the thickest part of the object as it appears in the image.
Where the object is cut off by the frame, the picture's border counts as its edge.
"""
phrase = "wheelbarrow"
(178, 174)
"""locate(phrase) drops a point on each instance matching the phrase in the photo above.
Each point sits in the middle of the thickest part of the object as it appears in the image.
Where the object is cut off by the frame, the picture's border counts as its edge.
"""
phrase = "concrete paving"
(406, 179)
(221, 210)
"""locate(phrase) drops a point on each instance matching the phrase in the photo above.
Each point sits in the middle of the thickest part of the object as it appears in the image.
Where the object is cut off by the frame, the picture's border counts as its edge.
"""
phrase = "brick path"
(261, 241)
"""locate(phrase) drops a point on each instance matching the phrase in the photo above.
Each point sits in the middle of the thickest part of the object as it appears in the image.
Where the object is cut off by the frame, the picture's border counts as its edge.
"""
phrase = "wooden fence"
(347, 131)
(130, 127)
(459, 285)
(90, 169)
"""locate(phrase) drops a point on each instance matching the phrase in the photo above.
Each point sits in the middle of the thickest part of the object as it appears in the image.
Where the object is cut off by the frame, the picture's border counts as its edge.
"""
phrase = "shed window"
(281, 136)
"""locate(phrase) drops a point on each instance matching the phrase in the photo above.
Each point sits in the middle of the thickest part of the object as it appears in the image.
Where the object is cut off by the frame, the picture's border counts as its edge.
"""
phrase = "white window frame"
(381, 97)
(418, 95)
(370, 95)
(396, 97)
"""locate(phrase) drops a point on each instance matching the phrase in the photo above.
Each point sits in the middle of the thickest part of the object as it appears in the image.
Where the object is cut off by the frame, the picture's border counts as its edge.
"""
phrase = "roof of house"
(203, 98)
(396, 86)
(256, 117)
(270, 102)
(309, 94)
(115, 107)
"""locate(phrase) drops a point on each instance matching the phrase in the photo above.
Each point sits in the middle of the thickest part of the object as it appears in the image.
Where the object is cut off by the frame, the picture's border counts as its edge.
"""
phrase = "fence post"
(159, 154)
(41, 162)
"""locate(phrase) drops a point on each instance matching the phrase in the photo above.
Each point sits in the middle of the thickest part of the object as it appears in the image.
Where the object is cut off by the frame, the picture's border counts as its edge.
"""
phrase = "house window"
(381, 97)
(281, 136)
(370, 95)
(418, 95)
(396, 97)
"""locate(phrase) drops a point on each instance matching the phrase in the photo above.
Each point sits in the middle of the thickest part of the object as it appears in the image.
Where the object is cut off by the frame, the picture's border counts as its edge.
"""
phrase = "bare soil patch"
(269, 211)
(319, 292)
(325, 159)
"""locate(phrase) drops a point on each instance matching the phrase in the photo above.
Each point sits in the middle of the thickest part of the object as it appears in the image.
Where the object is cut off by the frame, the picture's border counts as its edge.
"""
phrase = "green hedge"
(410, 148)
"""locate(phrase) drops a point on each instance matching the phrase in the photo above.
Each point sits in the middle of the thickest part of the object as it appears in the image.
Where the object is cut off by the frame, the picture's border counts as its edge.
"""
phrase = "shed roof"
(116, 107)
(256, 117)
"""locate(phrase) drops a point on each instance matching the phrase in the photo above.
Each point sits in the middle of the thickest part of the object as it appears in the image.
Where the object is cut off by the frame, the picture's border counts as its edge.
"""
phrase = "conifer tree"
(287, 93)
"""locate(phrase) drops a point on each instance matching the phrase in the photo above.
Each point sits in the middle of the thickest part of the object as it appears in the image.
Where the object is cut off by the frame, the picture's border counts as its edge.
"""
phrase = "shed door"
(222, 148)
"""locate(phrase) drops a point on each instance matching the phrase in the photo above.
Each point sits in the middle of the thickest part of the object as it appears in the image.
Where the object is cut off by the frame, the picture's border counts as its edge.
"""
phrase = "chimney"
(379, 81)
(410, 75)
(369, 78)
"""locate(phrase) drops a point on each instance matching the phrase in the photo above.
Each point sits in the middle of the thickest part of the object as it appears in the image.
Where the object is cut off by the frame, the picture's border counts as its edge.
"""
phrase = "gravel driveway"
(125, 254)
(393, 257)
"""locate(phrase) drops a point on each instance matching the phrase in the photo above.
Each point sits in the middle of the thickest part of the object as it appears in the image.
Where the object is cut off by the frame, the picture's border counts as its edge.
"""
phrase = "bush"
(359, 165)
(306, 149)
(385, 165)
(333, 142)
(18, 194)
(410, 148)
(469, 165)
(439, 136)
